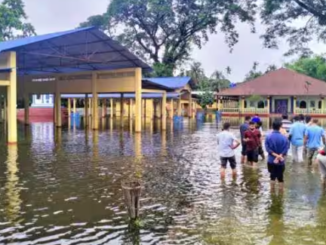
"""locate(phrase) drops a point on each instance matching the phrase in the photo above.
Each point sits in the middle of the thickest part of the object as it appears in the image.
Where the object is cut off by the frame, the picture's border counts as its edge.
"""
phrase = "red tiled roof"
(280, 82)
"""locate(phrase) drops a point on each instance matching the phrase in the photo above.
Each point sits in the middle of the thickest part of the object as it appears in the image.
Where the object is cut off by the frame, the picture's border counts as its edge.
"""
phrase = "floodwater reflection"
(63, 186)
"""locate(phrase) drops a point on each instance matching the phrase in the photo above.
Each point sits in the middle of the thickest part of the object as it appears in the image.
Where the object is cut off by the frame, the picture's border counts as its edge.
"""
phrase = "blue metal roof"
(84, 49)
(126, 96)
(169, 82)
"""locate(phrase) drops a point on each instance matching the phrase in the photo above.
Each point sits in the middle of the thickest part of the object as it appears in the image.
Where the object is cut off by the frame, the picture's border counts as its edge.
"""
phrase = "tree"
(311, 66)
(12, 20)
(281, 17)
(165, 31)
(254, 72)
(207, 97)
(218, 81)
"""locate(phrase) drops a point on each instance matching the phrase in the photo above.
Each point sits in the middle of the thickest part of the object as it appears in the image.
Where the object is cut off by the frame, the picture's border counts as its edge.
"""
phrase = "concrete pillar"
(295, 105)
(86, 110)
(179, 108)
(164, 111)
(69, 107)
(121, 105)
(190, 106)
(95, 102)
(104, 108)
(130, 108)
(111, 108)
(171, 108)
(12, 100)
(145, 109)
(58, 108)
(74, 108)
(26, 105)
(138, 98)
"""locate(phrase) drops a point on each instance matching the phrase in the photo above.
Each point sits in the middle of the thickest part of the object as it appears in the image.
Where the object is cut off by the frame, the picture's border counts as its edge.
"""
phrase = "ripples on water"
(64, 187)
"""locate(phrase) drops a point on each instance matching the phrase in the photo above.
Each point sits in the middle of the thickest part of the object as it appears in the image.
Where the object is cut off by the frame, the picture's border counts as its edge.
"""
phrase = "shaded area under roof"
(125, 96)
(169, 82)
(85, 49)
(282, 82)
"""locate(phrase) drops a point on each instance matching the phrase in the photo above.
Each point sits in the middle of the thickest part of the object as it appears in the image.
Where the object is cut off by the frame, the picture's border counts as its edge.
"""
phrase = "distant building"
(43, 100)
(278, 92)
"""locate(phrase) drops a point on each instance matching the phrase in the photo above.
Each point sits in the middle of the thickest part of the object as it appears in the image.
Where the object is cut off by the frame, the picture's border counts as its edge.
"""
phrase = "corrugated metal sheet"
(282, 82)
(84, 49)
(169, 82)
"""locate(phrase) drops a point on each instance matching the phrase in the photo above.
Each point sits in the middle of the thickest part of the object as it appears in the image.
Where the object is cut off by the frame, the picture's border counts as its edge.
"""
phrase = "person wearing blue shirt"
(277, 146)
(297, 134)
(313, 139)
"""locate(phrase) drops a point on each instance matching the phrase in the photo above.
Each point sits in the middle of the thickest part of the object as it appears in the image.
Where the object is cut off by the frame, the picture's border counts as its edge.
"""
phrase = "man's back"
(277, 143)
(297, 132)
(225, 142)
(314, 134)
(286, 124)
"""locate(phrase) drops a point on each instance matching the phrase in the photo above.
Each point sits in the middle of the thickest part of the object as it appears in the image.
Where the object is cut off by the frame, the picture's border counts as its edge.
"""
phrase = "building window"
(312, 104)
(319, 104)
(261, 105)
(245, 104)
(303, 104)
(252, 104)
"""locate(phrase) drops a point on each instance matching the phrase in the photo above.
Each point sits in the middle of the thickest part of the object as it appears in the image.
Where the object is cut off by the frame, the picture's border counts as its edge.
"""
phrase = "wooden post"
(58, 105)
(104, 108)
(111, 108)
(138, 96)
(190, 106)
(164, 111)
(95, 102)
(12, 99)
(130, 108)
(69, 112)
(121, 105)
(179, 108)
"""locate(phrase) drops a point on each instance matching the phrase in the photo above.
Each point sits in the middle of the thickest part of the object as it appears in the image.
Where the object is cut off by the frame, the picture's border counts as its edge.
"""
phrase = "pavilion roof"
(84, 49)
(282, 82)
(169, 82)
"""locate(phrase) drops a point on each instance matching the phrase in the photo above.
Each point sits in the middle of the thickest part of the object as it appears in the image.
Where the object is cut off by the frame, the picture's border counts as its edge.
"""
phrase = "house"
(278, 92)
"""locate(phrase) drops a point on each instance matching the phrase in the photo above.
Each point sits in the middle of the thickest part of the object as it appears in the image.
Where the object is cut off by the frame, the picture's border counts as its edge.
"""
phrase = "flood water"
(64, 187)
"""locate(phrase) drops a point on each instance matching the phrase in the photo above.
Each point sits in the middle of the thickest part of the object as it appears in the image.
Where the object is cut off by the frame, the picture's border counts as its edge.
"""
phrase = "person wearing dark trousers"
(243, 128)
(314, 135)
(252, 138)
(277, 146)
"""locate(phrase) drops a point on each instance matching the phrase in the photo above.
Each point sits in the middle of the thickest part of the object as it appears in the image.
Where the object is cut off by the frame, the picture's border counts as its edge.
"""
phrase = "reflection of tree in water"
(251, 186)
(276, 227)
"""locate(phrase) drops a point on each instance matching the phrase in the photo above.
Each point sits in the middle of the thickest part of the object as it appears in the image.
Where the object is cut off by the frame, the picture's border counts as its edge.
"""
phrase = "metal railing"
(256, 110)
(231, 110)
(310, 111)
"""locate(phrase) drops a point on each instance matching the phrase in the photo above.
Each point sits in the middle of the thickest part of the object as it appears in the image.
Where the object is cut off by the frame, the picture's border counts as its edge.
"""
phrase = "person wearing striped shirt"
(286, 123)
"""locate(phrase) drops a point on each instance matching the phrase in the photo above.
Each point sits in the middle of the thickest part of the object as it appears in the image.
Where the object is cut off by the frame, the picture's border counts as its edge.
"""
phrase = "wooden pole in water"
(131, 193)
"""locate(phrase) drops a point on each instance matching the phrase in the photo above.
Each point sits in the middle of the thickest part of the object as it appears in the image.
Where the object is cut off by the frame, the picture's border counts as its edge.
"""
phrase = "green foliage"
(254, 72)
(12, 20)
(161, 70)
(255, 98)
(164, 31)
(281, 18)
(312, 66)
(207, 97)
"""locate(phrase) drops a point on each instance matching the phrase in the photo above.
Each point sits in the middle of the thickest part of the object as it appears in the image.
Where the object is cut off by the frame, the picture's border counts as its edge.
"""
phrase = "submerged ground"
(64, 187)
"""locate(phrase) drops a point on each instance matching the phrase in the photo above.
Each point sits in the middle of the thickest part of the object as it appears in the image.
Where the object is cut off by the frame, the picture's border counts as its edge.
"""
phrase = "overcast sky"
(58, 15)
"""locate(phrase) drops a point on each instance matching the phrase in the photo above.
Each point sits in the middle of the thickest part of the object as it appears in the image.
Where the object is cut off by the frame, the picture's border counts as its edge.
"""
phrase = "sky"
(51, 16)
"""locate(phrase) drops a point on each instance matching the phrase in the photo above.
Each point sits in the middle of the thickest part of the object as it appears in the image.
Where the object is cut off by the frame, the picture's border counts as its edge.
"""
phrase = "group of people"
(303, 135)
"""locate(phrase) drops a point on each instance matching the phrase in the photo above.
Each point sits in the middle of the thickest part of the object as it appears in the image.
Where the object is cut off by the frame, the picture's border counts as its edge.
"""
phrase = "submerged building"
(278, 92)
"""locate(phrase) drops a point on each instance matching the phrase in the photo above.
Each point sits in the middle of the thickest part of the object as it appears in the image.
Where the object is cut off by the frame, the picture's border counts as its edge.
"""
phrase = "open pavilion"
(80, 61)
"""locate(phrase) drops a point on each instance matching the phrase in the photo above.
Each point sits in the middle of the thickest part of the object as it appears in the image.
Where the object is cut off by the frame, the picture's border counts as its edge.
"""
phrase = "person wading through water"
(243, 128)
(252, 137)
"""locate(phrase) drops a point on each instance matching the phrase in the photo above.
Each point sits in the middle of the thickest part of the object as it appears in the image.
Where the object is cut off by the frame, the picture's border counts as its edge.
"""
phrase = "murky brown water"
(64, 187)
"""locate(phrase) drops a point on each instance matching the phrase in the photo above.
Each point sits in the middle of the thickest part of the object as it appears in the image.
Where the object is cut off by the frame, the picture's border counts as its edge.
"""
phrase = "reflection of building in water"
(12, 185)
(43, 131)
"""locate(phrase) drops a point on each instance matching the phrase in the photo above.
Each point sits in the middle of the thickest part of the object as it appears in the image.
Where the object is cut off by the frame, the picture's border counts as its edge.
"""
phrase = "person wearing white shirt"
(227, 142)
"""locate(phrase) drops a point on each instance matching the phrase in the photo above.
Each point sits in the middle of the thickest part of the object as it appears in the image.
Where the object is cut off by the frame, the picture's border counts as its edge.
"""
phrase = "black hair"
(285, 117)
(301, 117)
(259, 123)
(308, 119)
(226, 126)
(277, 124)
(248, 118)
(296, 118)
(252, 123)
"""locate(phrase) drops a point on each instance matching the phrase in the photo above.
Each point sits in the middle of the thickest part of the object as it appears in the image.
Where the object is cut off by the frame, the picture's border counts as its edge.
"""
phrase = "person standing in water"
(277, 146)
(243, 128)
(314, 136)
(227, 142)
(297, 134)
(252, 137)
